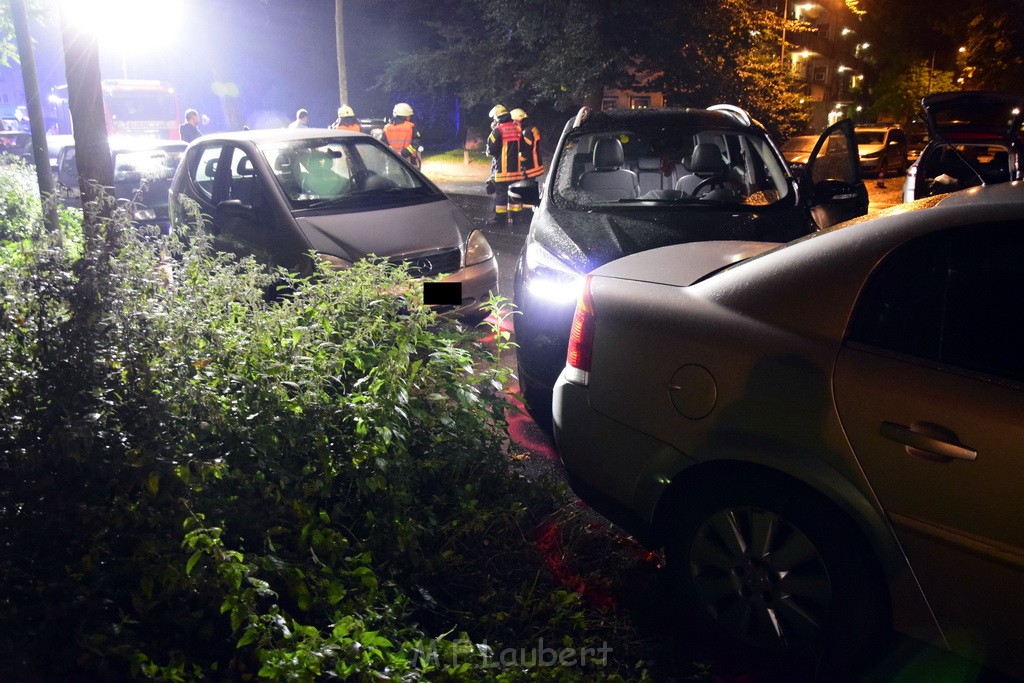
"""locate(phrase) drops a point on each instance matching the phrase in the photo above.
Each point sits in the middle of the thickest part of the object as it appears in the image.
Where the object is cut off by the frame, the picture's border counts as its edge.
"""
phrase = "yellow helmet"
(518, 114)
(345, 110)
(498, 110)
(402, 109)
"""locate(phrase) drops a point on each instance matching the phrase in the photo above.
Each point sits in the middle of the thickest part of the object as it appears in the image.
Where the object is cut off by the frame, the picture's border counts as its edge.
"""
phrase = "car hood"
(683, 264)
(387, 232)
(863, 150)
(973, 115)
(591, 239)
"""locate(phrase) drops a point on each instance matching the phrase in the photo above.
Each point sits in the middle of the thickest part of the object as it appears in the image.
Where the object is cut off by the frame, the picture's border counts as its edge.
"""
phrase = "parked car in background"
(283, 194)
(797, 151)
(825, 436)
(143, 169)
(975, 139)
(916, 142)
(882, 149)
(628, 180)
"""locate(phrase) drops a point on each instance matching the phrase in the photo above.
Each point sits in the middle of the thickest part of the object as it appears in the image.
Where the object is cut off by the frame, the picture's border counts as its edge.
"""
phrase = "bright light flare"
(125, 25)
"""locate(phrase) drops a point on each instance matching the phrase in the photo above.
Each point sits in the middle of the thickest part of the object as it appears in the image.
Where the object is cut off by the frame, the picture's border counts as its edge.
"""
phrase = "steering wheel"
(359, 178)
(707, 182)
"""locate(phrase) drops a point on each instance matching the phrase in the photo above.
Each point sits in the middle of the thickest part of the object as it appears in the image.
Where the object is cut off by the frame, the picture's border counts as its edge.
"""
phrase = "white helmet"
(518, 114)
(497, 110)
(345, 110)
(402, 109)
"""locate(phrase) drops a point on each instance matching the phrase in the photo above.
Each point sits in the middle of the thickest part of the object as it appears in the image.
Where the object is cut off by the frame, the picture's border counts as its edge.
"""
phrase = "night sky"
(278, 55)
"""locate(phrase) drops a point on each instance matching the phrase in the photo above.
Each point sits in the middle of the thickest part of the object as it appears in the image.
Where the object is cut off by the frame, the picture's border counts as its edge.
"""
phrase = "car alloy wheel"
(776, 569)
(760, 578)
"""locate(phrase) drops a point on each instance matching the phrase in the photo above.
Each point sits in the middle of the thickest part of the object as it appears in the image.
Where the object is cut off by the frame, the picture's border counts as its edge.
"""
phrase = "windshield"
(148, 165)
(141, 106)
(870, 137)
(804, 144)
(317, 172)
(667, 166)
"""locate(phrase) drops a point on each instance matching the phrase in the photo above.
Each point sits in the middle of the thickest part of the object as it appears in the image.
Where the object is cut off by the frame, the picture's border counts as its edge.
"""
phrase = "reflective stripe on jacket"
(503, 144)
(399, 135)
(533, 164)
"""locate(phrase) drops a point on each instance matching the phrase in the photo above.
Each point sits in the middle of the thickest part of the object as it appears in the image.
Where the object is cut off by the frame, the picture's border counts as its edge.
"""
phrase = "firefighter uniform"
(504, 145)
(401, 132)
(346, 120)
(533, 163)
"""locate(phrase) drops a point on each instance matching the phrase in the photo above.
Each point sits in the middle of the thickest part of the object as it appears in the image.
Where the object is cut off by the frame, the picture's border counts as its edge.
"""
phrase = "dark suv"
(624, 181)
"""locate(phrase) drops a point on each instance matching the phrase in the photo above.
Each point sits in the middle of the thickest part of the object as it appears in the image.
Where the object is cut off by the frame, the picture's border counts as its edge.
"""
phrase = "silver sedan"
(827, 436)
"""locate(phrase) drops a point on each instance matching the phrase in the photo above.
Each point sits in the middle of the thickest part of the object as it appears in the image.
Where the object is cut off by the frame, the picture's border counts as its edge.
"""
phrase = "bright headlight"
(143, 213)
(549, 277)
(478, 249)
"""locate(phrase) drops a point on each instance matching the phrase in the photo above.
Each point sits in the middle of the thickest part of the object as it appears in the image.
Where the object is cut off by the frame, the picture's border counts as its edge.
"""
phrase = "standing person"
(401, 133)
(504, 145)
(533, 162)
(301, 119)
(346, 120)
(189, 130)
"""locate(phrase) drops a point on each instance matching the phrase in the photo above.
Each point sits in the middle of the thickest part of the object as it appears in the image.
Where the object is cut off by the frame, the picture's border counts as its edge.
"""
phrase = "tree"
(44, 175)
(899, 94)
(994, 54)
(85, 99)
(564, 54)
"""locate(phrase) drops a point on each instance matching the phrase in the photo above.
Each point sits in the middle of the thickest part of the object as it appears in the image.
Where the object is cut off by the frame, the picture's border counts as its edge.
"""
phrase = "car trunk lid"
(960, 117)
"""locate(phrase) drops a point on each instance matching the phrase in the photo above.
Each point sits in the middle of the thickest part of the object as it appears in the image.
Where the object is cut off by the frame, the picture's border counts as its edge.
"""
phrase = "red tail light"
(581, 338)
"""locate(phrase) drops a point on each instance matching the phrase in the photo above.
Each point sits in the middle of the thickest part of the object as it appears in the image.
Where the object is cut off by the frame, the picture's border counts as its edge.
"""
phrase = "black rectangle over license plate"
(442, 293)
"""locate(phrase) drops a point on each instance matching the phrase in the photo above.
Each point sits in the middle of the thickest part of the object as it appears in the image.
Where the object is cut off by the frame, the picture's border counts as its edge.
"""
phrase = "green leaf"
(190, 565)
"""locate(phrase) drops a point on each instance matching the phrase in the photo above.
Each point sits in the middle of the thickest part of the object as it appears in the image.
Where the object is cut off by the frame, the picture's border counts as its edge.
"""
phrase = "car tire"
(538, 402)
(778, 571)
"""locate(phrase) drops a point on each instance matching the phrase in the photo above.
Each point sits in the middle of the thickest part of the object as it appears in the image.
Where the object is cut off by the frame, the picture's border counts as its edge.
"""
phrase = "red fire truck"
(133, 107)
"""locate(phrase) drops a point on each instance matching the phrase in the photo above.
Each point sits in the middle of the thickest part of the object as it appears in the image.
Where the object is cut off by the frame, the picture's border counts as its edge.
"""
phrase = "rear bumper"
(619, 471)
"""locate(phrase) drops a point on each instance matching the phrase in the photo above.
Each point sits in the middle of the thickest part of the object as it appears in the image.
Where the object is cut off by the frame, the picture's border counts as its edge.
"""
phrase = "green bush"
(19, 199)
(196, 484)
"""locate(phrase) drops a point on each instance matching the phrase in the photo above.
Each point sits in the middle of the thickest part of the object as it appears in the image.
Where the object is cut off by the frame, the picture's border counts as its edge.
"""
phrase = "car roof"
(612, 119)
(133, 144)
(844, 255)
(281, 134)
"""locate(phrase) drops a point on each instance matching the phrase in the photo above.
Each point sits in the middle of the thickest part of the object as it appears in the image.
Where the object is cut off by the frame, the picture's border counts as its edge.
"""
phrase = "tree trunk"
(339, 32)
(85, 100)
(40, 153)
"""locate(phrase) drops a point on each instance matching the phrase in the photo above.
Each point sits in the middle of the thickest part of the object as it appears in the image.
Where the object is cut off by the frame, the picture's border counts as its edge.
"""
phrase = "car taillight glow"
(581, 338)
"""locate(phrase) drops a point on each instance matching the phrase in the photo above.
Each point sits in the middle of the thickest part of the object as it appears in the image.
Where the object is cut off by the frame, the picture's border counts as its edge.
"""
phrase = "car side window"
(952, 298)
(204, 169)
(833, 160)
(243, 182)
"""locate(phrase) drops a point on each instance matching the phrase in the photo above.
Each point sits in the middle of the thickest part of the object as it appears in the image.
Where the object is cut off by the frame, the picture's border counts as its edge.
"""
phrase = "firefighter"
(533, 163)
(504, 144)
(401, 134)
(346, 120)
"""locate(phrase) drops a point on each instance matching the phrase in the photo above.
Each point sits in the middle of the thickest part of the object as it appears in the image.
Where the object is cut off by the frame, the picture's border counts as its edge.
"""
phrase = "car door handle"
(929, 441)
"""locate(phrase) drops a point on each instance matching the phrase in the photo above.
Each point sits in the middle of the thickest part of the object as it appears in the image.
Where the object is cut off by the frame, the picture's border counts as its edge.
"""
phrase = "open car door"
(831, 181)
